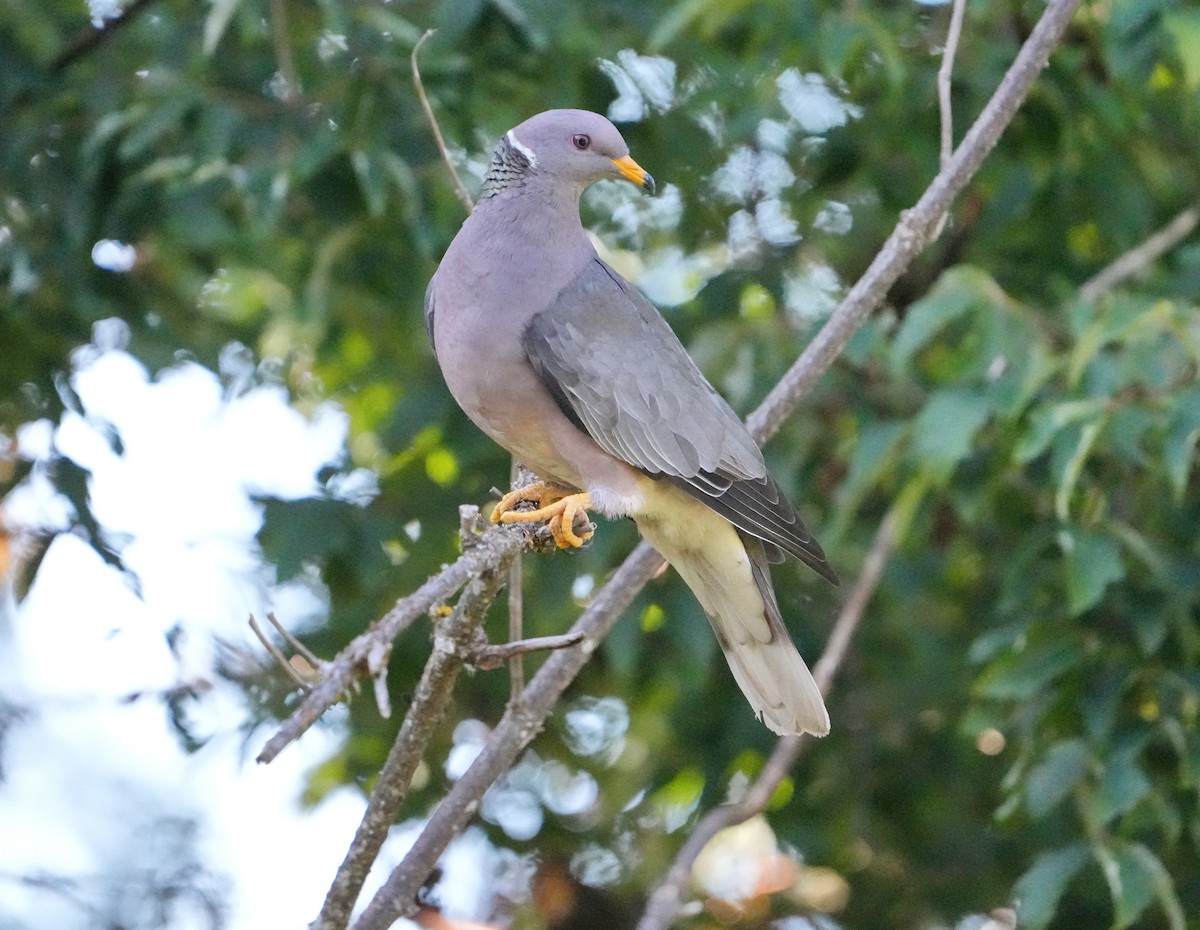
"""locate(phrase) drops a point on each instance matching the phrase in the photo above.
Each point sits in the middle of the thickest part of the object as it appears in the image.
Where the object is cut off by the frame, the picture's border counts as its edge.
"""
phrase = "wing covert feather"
(619, 372)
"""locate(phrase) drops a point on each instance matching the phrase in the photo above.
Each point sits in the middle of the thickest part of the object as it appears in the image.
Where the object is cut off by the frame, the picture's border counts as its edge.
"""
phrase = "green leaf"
(946, 427)
(371, 181)
(1052, 779)
(1184, 27)
(1046, 422)
(1130, 884)
(1020, 674)
(1093, 563)
(1015, 389)
(1164, 887)
(1039, 890)
(1122, 785)
(1179, 446)
(1074, 466)
(874, 454)
(955, 293)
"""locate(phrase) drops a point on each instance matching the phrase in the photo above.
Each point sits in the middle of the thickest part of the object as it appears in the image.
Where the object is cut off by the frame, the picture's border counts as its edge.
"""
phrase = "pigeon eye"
(581, 141)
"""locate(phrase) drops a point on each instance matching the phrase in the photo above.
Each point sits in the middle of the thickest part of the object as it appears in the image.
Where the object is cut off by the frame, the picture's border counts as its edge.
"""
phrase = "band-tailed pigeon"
(570, 368)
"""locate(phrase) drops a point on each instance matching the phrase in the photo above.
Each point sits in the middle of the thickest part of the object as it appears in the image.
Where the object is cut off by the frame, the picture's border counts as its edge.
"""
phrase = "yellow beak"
(632, 171)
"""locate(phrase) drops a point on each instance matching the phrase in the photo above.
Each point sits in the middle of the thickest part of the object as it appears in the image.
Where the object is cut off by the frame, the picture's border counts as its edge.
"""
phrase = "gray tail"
(772, 674)
(737, 596)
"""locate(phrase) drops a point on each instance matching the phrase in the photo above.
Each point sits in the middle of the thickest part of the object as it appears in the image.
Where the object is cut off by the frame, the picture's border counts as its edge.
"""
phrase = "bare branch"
(275, 653)
(305, 652)
(284, 60)
(663, 905)
(522, 721)
(1140, 258)
(943, 79)
(912, 232)
(519, 725)
(491, 547)
(945, 72)
(460, 189)
(456, 640)
(516, 626)
(856, 604)
(91, 37)
(493, 656)
(519, 476)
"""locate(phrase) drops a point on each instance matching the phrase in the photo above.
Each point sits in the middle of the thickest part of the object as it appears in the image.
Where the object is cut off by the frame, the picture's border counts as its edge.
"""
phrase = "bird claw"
(557, 508)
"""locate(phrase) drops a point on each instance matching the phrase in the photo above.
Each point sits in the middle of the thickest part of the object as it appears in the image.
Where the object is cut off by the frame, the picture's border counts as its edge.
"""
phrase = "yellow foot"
(556, 507)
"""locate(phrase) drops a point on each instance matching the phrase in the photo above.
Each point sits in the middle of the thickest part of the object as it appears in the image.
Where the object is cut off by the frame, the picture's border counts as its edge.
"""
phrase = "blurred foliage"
(1019, 718)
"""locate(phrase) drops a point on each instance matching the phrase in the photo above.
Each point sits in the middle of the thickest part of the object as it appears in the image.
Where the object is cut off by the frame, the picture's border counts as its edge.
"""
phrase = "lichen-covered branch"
(494, 545)
(519, 725)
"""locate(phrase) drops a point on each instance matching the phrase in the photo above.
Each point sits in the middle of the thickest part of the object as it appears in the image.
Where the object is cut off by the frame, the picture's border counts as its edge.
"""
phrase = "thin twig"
(457, 638)
(496, 654)
(943, 79)
(520, 724)
(308, 654)
(491, 546)
(912, 232)
(1140, 257)
(278, 655)
(662, 907)
(945, 72)
(460, 189)
(516, 626)
(91, 37)
(869, 577)
(290, 91)
(516, 600)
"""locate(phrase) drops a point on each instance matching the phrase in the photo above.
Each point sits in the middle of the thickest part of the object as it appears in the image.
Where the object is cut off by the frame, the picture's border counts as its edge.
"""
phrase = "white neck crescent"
(521, 147)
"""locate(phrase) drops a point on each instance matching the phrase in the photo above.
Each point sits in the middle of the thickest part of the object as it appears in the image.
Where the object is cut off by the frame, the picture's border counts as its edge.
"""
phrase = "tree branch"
(662, 907)
(286, 62)
(456, 640)
(516, 729)
(91, 37)
(492, 546)
(1140, 257)
(460, 189)
(495, 655)
(943, 79)
(945, 72)
(913, 231)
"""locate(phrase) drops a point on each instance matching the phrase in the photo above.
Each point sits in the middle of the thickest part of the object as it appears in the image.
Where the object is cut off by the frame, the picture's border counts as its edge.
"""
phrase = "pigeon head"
(571, 147)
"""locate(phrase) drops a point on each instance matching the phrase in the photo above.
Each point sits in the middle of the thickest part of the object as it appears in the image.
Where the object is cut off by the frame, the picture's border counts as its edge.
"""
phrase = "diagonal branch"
(522, 721)
(91, 37)
(913, 231)
(460, 189)
(1140, 257)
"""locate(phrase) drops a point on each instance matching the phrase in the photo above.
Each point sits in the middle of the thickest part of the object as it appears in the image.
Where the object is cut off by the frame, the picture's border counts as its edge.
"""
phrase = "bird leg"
(555, 506)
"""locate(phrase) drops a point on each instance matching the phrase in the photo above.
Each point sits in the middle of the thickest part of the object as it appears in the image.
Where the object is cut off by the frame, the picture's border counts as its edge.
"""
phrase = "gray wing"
(619, 372)
(429, 316)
